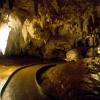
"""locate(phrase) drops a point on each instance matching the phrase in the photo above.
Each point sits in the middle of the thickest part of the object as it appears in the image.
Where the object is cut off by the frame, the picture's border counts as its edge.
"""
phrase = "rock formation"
(49, 28)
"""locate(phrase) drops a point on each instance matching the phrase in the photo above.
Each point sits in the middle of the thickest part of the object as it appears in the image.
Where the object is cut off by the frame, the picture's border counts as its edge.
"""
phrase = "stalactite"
(11, 2)
(1, 3)
(36, 6)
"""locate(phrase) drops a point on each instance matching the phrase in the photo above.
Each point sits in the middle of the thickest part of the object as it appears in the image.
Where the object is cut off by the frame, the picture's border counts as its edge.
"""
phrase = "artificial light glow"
(98, 50)
(4, 33)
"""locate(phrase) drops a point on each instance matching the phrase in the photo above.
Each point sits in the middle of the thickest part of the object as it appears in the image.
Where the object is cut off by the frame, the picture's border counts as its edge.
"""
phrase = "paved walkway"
(23, 86)
(5, 72)
(9, 65)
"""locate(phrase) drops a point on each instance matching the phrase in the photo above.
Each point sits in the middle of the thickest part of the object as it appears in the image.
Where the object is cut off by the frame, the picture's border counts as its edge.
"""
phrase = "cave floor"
(9, 65)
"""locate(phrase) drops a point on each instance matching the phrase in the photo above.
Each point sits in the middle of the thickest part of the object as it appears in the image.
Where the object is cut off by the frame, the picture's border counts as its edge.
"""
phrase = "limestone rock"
(72, 55)
(39, 22)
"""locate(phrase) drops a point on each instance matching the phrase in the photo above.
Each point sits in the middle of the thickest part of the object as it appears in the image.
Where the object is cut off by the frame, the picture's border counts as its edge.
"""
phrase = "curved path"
(23, 85)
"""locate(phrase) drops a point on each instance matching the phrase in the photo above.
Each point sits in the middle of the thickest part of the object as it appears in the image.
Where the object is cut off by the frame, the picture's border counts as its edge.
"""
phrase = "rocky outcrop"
(70, 80)
(50, 28)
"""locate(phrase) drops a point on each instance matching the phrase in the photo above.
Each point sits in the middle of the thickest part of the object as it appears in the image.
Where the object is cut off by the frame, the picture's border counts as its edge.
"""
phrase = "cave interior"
(52, 31)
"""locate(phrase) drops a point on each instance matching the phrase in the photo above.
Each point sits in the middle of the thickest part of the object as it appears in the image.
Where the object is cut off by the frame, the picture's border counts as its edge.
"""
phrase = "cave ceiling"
(44, 26)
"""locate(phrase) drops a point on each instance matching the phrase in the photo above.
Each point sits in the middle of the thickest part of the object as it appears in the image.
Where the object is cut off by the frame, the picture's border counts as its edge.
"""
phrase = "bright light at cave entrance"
(4, 33)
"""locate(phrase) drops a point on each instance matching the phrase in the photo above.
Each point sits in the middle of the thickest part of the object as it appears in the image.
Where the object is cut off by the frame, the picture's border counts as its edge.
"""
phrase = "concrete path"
(9, 65)
(5, 72)
(23, 86)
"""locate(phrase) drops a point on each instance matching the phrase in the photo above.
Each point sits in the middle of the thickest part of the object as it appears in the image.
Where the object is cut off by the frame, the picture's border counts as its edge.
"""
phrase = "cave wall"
(50, 28)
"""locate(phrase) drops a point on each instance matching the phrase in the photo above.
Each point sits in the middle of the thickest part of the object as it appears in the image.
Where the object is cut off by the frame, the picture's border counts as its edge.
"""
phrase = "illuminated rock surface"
(37, 24)
(73, 80)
